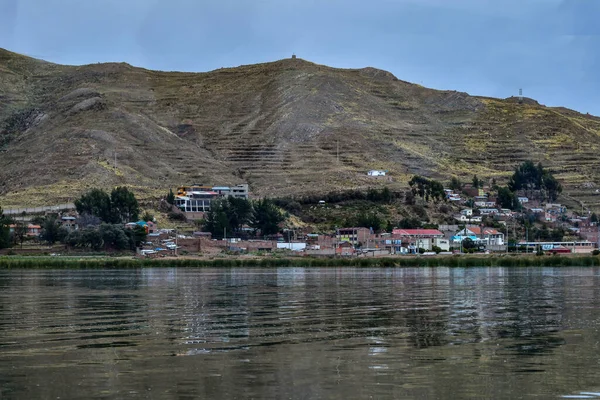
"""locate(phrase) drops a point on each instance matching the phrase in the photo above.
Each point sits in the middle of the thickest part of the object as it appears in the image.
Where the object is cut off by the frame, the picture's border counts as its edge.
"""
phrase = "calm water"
(301, 333)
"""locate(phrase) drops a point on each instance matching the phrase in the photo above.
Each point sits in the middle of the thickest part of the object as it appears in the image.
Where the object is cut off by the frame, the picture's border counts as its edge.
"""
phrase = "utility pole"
(506, 244)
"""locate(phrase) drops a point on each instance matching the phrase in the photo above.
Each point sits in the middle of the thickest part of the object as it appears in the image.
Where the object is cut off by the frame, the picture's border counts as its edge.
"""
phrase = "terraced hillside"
(285, 127)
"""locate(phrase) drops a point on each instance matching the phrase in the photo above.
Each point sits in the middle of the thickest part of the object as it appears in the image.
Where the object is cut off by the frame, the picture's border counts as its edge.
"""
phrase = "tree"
(507, 199)
(239, 212)
(426, 188)
(171, 197)
(147, 217)
(266, 217)
(469, 244)
(216, 220)
(409, 223)
(114, 236)
(124, 206)
(227, 215)
(530, 177)
(136, 236)
(52, 230)
(20, 232)
(88, 220)
(95, 202)
(476, 181)
(455, 184)
(370, 220)
(5, 222)
(594, 218)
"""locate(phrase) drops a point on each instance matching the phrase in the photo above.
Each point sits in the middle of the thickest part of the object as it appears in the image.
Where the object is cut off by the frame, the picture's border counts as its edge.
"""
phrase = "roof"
(417, 232)
(221, 188)
(486, 231)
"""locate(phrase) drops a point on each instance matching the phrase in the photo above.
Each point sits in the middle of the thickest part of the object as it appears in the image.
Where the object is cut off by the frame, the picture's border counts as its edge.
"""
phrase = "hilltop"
(287, 127)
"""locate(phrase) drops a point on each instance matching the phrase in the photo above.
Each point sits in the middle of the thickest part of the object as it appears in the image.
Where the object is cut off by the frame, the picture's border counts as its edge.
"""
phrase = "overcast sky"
(550, 48)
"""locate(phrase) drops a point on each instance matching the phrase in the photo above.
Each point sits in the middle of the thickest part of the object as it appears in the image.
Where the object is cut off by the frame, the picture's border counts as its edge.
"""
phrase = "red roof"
(417, 232)
(486, 231)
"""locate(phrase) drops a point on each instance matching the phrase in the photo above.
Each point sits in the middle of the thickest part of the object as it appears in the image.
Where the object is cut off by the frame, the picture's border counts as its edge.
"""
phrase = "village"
(479, 225)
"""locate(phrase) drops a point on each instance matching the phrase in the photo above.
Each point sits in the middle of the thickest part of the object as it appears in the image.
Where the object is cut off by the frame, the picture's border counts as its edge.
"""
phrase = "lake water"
(412, 333)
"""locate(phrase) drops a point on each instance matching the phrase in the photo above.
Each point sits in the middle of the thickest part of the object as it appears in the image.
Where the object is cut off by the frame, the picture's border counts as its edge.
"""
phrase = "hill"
(285, 127)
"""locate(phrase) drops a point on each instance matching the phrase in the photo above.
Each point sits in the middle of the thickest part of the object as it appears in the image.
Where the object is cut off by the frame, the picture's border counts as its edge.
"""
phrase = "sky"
(549, 48)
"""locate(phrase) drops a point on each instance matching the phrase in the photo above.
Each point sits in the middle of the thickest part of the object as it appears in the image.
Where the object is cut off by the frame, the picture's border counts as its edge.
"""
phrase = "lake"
(300, 333)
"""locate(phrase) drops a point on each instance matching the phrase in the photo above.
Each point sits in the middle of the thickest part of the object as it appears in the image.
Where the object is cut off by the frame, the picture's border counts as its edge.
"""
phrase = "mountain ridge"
(277, 126)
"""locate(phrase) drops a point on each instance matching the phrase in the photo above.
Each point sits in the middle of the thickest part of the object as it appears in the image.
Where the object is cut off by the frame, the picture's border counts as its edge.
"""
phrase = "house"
(240, 191)
(353, 236)
(196, 201)
(488, 211)
(376, 172)
(31, 230)
(467, 212)
(152, 227)
(416, 239)
(485, 204)
(523, 200)
(69, 223)
(464, 218)
(489, 236)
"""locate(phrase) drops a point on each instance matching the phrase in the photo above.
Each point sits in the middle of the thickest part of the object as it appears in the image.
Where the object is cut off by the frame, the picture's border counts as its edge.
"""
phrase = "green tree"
(114, 236)
(469, 244)
(137, 236)
(594, 218)
(476, 181)
(238, 211)
(266, 217)
(216, 220)
(369, 220)
(52, 230)
(530, 177)
(95, 202)
(507, 199)
(124, 206)
(455, 184)
(147, 217)
(409, 223)
(5, 222)
(171, 197)
(426, 188)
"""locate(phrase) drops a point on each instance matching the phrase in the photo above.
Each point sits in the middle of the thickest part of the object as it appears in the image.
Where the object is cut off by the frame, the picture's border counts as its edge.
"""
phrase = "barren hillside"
(277, 126)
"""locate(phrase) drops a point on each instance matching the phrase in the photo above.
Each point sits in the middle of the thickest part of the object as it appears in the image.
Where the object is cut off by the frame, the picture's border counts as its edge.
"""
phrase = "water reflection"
(300, 333)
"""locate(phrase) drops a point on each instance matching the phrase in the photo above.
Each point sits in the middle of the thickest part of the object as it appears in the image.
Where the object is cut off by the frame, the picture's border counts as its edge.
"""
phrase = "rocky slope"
(285, 127)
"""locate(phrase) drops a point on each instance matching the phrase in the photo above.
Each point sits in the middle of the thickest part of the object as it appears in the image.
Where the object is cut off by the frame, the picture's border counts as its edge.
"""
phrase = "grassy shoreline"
(11, 262)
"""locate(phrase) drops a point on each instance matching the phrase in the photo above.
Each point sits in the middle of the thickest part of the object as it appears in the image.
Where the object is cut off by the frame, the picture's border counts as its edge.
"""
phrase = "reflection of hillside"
(299, 333)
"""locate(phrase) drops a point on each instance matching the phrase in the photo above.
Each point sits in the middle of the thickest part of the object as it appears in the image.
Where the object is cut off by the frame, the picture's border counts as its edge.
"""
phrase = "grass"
(448, 261)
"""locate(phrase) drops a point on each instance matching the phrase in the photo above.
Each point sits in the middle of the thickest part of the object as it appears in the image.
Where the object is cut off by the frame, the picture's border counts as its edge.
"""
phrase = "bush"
(596, 252)
(175, 216)
(437, 249)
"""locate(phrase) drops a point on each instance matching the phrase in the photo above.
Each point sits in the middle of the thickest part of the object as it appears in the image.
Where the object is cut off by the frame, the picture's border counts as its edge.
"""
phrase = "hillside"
(277, 126)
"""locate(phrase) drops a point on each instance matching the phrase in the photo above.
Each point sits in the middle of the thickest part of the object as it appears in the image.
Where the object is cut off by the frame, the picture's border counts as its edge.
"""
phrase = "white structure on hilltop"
(376, 172)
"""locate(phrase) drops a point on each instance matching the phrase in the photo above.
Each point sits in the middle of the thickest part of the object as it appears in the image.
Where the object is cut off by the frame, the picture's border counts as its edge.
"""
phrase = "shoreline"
(82, 262)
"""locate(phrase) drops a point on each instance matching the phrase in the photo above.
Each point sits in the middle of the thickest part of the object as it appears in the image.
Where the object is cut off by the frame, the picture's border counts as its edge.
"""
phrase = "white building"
(376, 172)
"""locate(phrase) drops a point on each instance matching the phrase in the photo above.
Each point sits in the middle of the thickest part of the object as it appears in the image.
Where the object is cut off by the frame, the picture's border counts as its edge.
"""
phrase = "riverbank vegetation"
(300, 262)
